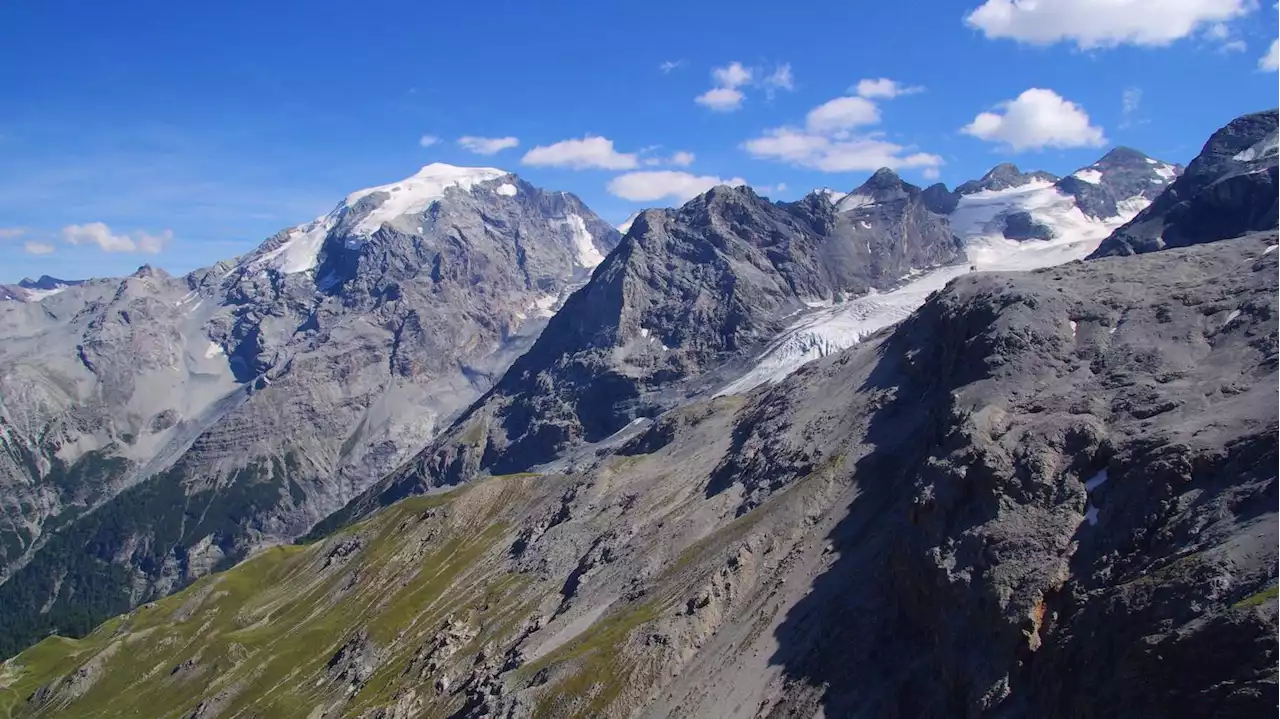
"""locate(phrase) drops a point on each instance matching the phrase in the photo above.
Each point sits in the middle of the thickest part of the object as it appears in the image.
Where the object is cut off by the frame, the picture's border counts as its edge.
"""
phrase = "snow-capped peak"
(625, 227)
(299, 249)
(413, 195)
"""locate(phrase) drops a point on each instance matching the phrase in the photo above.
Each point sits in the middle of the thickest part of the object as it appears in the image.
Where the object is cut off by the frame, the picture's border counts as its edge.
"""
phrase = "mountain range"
(890, 452)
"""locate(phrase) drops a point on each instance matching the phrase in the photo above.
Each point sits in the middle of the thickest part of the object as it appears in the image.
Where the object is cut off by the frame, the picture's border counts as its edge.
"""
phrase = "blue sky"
(181, 133)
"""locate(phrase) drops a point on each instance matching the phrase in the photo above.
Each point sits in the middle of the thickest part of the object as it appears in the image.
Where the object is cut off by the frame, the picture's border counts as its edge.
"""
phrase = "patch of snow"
(1270, 249)
(1166, 172)
(1112, 330)
(507, 189)
(213, 350)
(1267, 146)
(413, 195)
(1090, 176)
(644, 331)
(1152, 161)
(300, 249)
(1235, 314)
(543, 306)
(584, 247)
(833, 196)
(38, 295)
(866, 226)
(1091, 514)
(1073, 329)
(853, 201)
(1096, 481)
(625, 227)
(834, 328)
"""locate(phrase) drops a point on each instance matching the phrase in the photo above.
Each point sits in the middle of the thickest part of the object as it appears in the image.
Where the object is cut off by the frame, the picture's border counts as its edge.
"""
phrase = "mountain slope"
(687, 293)
(236, 406)
(1008, 220)
(1038, 487)
(1228, 189)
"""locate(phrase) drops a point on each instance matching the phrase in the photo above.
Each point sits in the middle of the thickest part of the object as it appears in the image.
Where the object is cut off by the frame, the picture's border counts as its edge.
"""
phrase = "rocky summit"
(896, 452)
(176, 424)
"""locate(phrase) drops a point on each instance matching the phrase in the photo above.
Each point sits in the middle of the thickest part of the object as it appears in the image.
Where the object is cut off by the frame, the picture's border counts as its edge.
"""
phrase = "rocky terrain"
(990, 493)
(201, 417)
(944, 520)
(1230, 188)
(688, 292)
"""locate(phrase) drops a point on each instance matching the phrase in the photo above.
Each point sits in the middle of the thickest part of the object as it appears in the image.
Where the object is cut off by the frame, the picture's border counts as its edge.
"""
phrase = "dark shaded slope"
(1227, 190)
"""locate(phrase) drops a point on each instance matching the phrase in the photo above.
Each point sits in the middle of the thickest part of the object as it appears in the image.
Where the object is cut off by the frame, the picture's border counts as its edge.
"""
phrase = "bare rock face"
(203, 416)
(1229, 189)
(687, 291)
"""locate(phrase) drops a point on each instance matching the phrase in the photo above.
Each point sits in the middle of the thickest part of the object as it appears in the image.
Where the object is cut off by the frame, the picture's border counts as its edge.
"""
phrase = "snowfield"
(978, 221)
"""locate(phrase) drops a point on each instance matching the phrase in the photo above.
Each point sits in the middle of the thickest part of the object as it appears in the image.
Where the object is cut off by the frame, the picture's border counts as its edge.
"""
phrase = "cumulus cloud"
(682, 158)
(835, 153)
(842, 113)
(668, 66)
(721, 99)
(827, 142)
(1271, 61)
(9, 233)
(1097, 23)
(725, 96)
(591, 152)
(97, 233)
(1037, 119)
(37, 248)
(661, 184)
(487, 145)
(427, 140)
(731, 75)
(780, 79)
(884, 88)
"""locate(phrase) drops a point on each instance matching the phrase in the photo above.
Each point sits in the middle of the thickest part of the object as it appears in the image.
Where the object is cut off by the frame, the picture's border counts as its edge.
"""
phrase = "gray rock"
(1002, 177)
(1228, 189)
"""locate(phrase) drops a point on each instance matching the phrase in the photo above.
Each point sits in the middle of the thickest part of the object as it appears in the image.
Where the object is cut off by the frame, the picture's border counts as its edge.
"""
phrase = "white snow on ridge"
(506, 189)
(213, 350)
(625, 227)
(852, 201)
(413, 195)
(1090, 176)
(584, 246)
(300, 249)
(978, 220)
(1269, 145)
(38, 295)
(1166, 172)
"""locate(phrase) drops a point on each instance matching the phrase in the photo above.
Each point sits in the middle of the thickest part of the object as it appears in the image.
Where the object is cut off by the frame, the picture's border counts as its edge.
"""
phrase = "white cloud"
(1037, 119)
(721, 99)
(1234, 46)
(884, 87)
(835, 153)
(37, 248)
(427, 140)
(660, 184)
(725, 96)
(731, 75)
(97, 233)
(682, 158)
(9, 233)
(488, 145)
(931, 173)
(668, 65)
(780, 79)
(827, 141)
(1100, 23)
(589, 152)
(1271, 61)
(842, 113)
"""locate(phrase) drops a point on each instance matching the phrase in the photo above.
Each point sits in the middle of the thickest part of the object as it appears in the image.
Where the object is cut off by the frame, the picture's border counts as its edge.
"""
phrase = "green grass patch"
(1257, 600)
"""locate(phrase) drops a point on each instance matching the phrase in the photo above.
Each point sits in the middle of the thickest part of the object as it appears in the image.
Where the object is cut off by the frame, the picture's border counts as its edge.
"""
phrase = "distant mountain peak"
(1002, 177)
